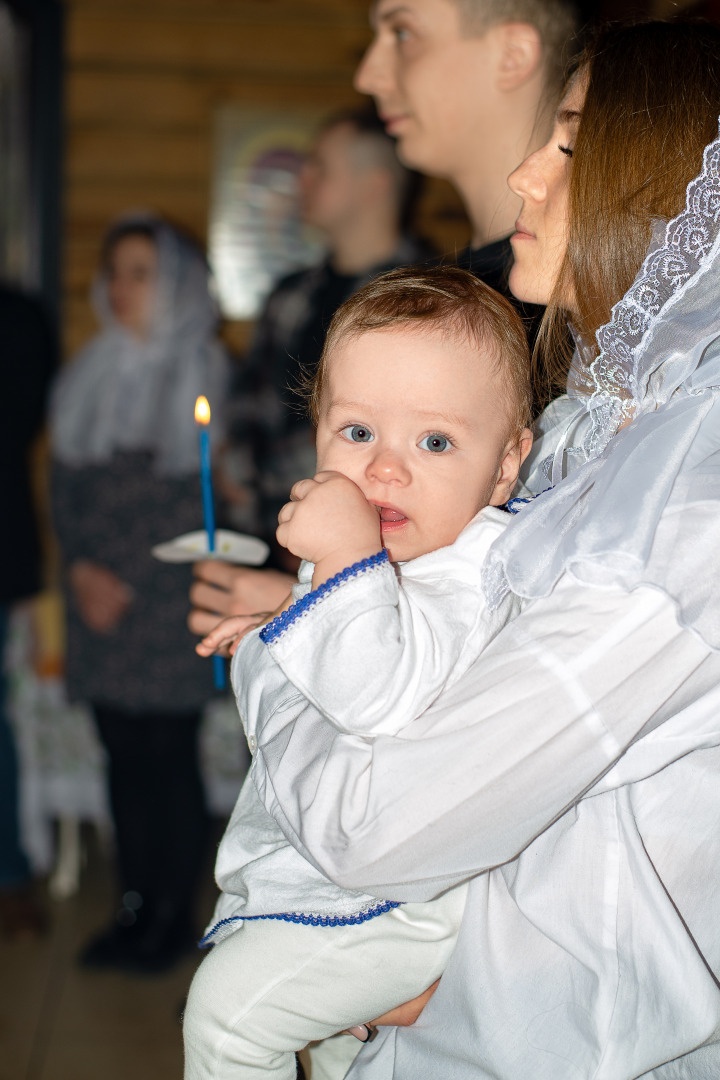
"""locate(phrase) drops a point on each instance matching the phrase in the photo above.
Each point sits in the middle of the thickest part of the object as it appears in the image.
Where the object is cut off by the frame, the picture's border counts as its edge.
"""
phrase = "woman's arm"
(551, 705)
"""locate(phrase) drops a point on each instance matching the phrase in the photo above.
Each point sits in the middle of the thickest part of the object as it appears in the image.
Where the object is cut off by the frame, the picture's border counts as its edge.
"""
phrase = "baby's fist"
(329, 520)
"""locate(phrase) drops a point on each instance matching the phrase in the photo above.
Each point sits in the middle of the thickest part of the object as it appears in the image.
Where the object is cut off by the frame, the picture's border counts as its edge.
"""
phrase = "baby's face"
(417, 419)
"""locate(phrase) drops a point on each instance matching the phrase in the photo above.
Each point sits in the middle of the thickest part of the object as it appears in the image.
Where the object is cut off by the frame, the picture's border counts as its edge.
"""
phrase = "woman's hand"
(329, 522)
(403, 1016)
(101, 596)
(406, 1015)
(221, 590)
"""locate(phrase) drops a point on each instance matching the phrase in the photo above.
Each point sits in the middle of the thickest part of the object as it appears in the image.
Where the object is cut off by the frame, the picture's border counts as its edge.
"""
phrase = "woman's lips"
(521, 233)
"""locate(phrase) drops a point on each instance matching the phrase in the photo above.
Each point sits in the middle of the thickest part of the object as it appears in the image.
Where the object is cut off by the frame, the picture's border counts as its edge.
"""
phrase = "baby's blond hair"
(442, 297)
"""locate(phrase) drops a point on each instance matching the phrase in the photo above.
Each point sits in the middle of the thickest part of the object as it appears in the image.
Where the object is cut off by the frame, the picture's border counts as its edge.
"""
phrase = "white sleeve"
(554, 701)
(376, 651)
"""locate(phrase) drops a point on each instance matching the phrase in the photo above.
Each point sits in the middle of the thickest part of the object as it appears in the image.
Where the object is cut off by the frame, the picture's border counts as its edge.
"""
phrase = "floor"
(58, 1022)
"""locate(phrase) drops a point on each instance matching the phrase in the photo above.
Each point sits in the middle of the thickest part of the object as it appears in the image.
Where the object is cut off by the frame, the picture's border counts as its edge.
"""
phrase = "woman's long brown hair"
(652, 105)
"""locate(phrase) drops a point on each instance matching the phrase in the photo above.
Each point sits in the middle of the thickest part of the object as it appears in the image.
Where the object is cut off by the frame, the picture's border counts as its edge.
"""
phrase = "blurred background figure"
(356, 192)
(28, 350)
(125, 477)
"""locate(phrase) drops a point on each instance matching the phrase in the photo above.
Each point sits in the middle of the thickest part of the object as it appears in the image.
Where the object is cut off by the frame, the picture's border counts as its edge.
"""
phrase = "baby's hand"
(329, 522)
(228, 634)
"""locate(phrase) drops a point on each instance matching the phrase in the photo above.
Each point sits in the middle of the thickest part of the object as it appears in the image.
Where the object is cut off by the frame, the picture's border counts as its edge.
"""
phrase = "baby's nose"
(389, 467)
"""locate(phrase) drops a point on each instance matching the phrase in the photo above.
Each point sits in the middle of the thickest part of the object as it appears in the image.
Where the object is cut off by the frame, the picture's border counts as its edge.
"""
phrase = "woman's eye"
(567, 150)
(357, 433)
(436, 444)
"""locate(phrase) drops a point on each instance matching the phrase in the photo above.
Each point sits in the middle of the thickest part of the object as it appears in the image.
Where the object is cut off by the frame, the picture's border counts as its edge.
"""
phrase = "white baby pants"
(272, 987)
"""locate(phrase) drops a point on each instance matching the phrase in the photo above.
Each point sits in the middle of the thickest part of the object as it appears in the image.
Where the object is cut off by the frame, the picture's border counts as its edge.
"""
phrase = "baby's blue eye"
(357, 433)
(435, 443)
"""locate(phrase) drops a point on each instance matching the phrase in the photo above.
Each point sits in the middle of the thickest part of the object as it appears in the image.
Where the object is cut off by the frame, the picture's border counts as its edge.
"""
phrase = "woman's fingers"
(201, 622)
(210, 599)
(215, 572)
(101, 596)
(100, 615)
(220, 590)
(406, 1015)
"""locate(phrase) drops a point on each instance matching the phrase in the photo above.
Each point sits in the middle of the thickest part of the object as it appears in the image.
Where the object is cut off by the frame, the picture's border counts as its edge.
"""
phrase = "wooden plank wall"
(144, 79)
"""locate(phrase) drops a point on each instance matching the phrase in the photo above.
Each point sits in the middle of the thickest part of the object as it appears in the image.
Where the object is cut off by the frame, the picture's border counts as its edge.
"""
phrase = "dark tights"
(158, 807)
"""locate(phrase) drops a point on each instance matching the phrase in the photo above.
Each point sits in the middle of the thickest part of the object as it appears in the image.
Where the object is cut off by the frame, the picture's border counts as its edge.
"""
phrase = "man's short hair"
(437, 297)
(556, 21)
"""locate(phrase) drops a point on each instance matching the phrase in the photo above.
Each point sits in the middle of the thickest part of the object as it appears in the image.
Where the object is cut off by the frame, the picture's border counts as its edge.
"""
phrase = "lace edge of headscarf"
(620, 373)
(675, 256)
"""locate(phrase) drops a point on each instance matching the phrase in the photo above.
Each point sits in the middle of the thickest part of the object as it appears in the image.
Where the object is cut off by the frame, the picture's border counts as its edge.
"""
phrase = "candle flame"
(202, 411)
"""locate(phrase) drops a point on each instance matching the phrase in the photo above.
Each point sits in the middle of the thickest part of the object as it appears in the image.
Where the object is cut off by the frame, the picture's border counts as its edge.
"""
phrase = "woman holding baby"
(571, 774)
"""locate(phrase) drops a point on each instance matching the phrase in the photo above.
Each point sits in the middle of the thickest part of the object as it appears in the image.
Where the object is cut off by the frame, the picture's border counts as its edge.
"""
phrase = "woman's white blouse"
(576, 768)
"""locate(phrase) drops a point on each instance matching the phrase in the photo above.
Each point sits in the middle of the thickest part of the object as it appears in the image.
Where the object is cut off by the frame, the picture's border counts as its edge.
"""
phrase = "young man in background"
(467, 88)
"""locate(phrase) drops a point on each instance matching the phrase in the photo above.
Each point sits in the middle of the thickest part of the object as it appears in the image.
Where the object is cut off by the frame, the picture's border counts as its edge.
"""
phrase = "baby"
(421, 403)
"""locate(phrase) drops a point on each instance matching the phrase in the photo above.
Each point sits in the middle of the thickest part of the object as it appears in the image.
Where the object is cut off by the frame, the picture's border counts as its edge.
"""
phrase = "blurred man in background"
(468, 89)
(354, 190)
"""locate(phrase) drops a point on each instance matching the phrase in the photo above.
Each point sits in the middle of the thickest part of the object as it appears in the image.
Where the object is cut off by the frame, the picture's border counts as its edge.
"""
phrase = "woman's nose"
(388, 467)
(528, 180)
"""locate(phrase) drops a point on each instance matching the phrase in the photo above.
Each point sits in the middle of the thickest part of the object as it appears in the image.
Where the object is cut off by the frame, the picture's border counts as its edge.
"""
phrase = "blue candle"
(202, 416)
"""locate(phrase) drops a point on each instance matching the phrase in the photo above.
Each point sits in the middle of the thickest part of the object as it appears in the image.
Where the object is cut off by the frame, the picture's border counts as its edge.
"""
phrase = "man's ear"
(515, 453)
(521, 54)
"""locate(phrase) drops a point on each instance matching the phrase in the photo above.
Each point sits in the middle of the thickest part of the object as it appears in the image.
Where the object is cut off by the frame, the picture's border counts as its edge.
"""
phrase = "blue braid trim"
(282, 622)
(306, 920)
(514, 506)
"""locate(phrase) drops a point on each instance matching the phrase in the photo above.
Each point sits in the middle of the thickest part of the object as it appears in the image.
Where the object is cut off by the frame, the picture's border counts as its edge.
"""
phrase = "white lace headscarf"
(639, 506)
(123, 393)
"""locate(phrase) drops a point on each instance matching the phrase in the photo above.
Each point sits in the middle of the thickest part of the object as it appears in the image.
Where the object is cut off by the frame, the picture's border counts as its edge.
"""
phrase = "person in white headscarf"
(125, 477)
(573, 774)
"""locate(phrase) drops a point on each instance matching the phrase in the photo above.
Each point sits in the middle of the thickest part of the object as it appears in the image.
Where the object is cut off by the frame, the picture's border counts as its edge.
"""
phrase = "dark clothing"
(492, 265)
(265, 408)
(158, 807)
(113, 515)
(29, 356)
(14, 867)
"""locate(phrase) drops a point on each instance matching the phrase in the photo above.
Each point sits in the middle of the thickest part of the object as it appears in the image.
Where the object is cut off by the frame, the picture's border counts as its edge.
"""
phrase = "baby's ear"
(525, 441)
(515, 453)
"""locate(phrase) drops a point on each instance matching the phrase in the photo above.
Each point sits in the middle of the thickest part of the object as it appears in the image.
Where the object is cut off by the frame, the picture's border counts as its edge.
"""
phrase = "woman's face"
(131, 274)
(542, 182)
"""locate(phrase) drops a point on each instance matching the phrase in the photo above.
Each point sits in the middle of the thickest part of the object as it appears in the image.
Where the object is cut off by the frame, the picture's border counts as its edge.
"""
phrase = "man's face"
(418, 419)
(329, 180)
(431, 84)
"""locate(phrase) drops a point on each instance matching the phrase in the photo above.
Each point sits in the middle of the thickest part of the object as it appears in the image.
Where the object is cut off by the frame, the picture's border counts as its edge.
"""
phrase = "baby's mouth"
(389, 516)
